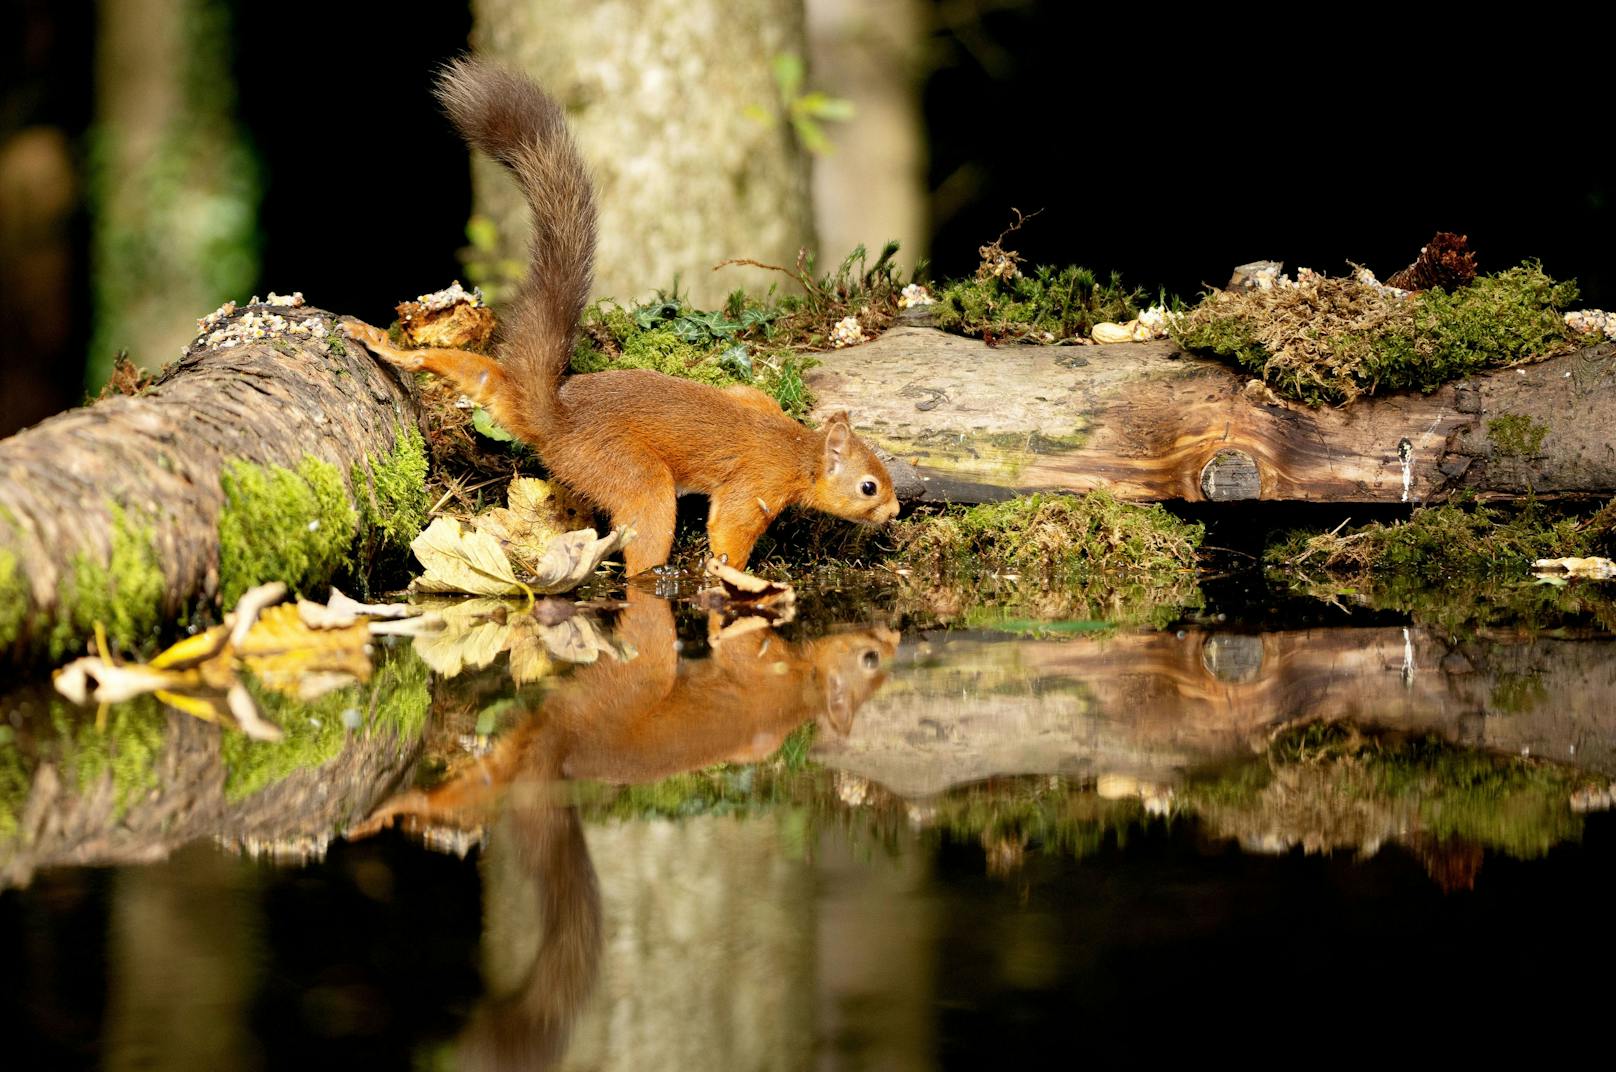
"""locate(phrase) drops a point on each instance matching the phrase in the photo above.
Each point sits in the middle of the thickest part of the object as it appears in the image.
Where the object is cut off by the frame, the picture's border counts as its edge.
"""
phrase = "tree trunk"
(1147, 421)
(115, 514)
(676, 109)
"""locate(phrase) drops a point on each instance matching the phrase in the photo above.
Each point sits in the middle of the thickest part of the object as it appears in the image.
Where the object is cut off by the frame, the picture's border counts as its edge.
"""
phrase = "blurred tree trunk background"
(677, 109)
(871, 186)
(172, 177)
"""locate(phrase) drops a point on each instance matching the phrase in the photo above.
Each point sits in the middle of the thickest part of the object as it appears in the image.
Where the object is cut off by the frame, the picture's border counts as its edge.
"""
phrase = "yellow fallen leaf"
(460, 561)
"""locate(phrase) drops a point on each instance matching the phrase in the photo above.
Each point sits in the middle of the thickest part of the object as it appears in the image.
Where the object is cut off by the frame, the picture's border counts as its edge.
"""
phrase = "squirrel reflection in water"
(640, 719)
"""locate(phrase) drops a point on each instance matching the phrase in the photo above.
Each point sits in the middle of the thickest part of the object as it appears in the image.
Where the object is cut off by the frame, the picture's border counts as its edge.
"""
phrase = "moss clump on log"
(1451, 543)
(293, 525)
(124, 594)
(1045, 561)
(1326, 340)
(394, 502)
(1064, 539)
(1050, 305)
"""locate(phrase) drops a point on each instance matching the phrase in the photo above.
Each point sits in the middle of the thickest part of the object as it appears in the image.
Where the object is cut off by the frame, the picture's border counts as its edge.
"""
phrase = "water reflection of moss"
(15, 781)
(1052, 813)
(127, 747)
(395, 701)
(1327, 785)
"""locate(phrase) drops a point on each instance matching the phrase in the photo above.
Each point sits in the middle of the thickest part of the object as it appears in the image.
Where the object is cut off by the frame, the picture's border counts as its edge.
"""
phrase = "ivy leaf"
(486, 426)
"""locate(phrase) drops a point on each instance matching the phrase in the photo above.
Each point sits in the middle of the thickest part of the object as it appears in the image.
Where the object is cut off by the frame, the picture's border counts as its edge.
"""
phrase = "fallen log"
(1149, 422)
(271, 450)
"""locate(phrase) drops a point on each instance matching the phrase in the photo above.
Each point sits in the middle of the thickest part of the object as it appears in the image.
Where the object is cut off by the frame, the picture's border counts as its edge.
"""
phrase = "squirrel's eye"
(871, 660)
(868, 487)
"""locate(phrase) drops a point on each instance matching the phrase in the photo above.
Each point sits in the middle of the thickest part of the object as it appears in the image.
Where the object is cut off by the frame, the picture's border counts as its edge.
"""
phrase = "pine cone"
(1443, 264)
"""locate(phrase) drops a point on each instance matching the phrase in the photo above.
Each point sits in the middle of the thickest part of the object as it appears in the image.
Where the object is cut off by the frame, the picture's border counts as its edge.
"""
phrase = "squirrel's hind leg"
(641, 496)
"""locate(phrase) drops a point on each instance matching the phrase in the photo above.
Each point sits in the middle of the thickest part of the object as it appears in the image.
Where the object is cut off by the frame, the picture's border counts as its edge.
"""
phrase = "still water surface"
(831, 844)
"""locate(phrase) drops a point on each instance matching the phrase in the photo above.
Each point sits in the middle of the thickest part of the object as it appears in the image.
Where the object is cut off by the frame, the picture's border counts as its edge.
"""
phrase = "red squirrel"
(629, 440)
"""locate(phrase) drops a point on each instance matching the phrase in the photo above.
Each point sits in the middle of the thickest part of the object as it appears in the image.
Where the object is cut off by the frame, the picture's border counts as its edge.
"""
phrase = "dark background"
(1165, 147)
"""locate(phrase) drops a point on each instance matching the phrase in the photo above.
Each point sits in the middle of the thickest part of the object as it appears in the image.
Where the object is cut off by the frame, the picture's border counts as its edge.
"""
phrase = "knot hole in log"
(1230, 475)
(1232, 657)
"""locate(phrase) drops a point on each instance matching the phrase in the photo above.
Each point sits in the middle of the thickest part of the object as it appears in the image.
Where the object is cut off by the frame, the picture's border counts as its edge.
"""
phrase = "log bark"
(1149, 422)
(112, 512)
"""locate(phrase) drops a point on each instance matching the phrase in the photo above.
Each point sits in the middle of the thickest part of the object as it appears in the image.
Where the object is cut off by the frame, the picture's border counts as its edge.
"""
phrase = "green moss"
(282, 525)
(395, 701)
(396, 504)
(1449, 544)
(1052, 558)
(124, 594)
(1516, 436)
(16, 780)
(1067, 538)
(1051, 305)
(1331, 340)
(659, 350)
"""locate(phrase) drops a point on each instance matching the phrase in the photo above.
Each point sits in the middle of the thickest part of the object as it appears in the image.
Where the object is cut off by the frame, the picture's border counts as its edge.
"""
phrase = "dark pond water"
(850, 841)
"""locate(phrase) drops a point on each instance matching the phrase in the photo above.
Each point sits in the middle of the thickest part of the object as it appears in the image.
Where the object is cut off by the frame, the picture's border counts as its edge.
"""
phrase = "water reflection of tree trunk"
(182, 956)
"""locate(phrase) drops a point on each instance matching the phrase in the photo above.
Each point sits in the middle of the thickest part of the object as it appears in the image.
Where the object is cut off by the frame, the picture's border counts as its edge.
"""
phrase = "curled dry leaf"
(738, 589)
(341, 611)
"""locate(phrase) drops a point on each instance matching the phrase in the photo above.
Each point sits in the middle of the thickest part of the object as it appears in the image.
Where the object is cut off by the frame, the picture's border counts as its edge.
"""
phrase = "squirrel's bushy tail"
(515, 122)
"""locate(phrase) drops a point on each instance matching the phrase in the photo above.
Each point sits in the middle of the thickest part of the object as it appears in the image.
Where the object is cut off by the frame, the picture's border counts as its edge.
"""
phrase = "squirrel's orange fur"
(630, 440)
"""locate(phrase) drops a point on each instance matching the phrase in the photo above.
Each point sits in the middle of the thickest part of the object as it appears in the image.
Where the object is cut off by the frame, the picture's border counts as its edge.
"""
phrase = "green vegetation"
(1327, 340)
(1052, 557)
(124, 594)
(1069, 539)
(1441, 545)
(282, 524)
(14, 598)
(709, 347)
(395, 701)
(752, 341)
(1328, 785)
(393, 500)
(1050, 305)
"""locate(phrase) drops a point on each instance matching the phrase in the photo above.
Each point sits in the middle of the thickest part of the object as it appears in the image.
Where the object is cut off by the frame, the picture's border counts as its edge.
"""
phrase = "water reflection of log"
(135, 808)
(1150, 705)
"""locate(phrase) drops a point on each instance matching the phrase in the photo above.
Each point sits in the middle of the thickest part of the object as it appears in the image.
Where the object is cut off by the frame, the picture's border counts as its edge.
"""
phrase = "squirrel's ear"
(837, 434)
(839, 417)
